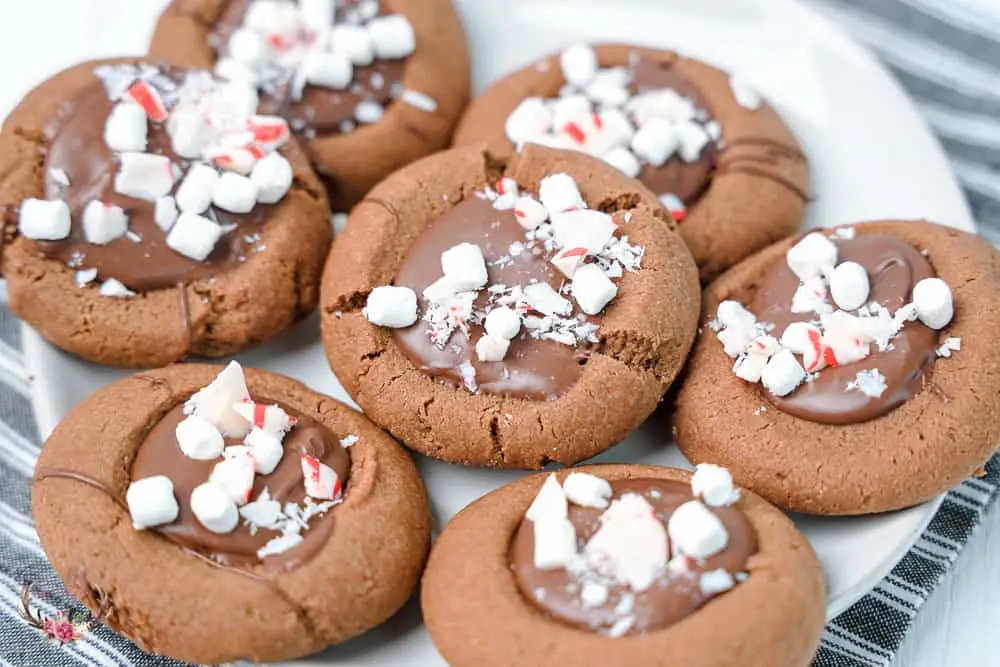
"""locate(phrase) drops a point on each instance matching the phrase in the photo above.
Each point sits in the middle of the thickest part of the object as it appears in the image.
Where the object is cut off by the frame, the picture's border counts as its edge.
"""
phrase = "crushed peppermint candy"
(869, 382)
(950, 345)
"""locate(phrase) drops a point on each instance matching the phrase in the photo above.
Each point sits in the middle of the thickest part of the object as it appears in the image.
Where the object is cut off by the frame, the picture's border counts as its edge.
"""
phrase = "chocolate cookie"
(621, 565)
(149, 215)
(717, 155)
(133, 509)
(555, 329)
(878, 377)
(369, 86)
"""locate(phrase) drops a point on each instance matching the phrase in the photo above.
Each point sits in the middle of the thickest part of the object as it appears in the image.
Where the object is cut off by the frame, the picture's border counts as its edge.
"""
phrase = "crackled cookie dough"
(508, 312)
(623, 564)
(369, 85)
(715, 153)
(855, 367)
(152, 213)
(227, 516)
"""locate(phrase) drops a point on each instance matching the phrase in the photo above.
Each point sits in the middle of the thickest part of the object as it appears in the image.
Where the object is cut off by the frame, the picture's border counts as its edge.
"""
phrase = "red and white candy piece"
(502, 322)
(212, 505)
(559, 193)
(655, 142)
(145, 176)
(529, 120)
(813, 256)
(579, 64)
(151, 502)
(234, 193)
(149, 99)
(199, 438)
(849, 285)
(321, 480)
(592, 288)
(189, 131)
(266, 450)
(391, 306)
(550, 502)
(353, 42)
(544, 299)
(695, 531)
(273, 178)
(215, 402)
(235, 474)
(392, 36)
(933, 302)
(507, 194)
(196, 190)
(583, 228)
(270, 131)
(568, 260)
(194, 236)
(126, 128)
(238, 160)
(587, 490)
(815, 353)
(271, 418)
(714, 485)
(631, 544)
(491, 348)
(570, 110)
(782, 374)
(165, 212)
(810, 296)
(464, 266)
(529, 212)
(103, 223)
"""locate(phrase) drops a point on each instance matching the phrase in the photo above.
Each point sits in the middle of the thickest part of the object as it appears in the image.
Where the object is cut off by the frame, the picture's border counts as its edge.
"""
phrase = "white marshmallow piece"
(503, 322)
(543, 298)
(813, 256)
(464, 266)
(716, 582)
(126, 128)
(188, 131)
(272, 175)
(849, 285)
(587, 490)
(247, 47)
(354, 43)
(235, 475)
(631, 544)
(579, 64)
(933, 301)
(197, 189)
(317, 15)
(529, 212)
(570, 109)
(746, 96)
(165, 212)
(732, 314)
(151, 502)
(215, 402)
(194, 236)
(392, 36)
(555, 543)
(529, 120)
(273, 16)
(782, 374)
(145, 176)
(439, 291)
(550, 503)
(491, 348)
(237, 100)
(583, 228)
(655, 142)
(691, 139)
(214, 509)
(695, 531)
(623, 160)
(235, 193)
(103, 223)
(559, 193)
(735, 340)
(320, 480)
(750, 367)
(328, 70)
(265, 449)
(199, 438)
(43, 220)
(714, 485)
(592, 289)
(232, 70)
(391, 306)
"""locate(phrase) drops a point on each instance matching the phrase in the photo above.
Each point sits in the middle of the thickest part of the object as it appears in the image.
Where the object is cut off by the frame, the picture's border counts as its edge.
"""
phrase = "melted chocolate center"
(76, 145)
(893, 267)
(534, 369)
(159, 454)
(669, 599)
(321, 110)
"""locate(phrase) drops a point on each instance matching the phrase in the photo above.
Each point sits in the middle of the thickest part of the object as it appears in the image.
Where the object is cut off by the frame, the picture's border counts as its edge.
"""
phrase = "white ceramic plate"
(871, 156)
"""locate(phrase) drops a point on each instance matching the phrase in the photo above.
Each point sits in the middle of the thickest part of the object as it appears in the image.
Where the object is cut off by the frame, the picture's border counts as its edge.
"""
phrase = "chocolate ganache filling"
(142, 261)
(671, 597)
(159, 454)
(893, 268)
(533, 368)
(322, 111)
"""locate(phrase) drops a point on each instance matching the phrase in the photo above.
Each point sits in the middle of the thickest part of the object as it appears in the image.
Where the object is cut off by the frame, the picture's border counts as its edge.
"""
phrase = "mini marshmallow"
(126, 127)
(746, 97)
(266, 450)
(550, 503)
(810, 296)
(233, 71)
(214, 509)
(750, 367)
(529, 212)
(273, 16)
(609, 87)
(194, 236)
(715, 582)
(44, 220)
(568, 260)
(583, 228)
(849, 285)
(530, 119)
(165, 212)
(391, 306)
(765, 346)
(368, 112)
(559, 193)
(439, 291)
(503, 322)
(271, 418)
(555, 543)
(782, 374)
(328, 70)
(798, 336)
(115, 289)
(655, 142)
(237, 99)
(691, 138)
(666, 104)
(623, 160)
(695, 531)
(199, 438)
(235, 475)
(196, 190)
(579, 64)
(145, 176)
(103, 223)
(235, 193)
(188, 132)
(587, 490)
(247, 47)
(813, 256)
(151, 502)
(593, 594)
(543, 298)
(491, 348)
(736, 339)
(317, 15)
(714, 485)
(354, 43)
(592, 289)
(464, 266)
(616, 128)
(320, 480)
(272, 177)
(215, 401)
(733, 314)
(392, 36)
(933, 301)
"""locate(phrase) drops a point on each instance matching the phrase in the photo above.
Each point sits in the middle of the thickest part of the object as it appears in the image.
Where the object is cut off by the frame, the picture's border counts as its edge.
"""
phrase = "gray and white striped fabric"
(945, 52)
